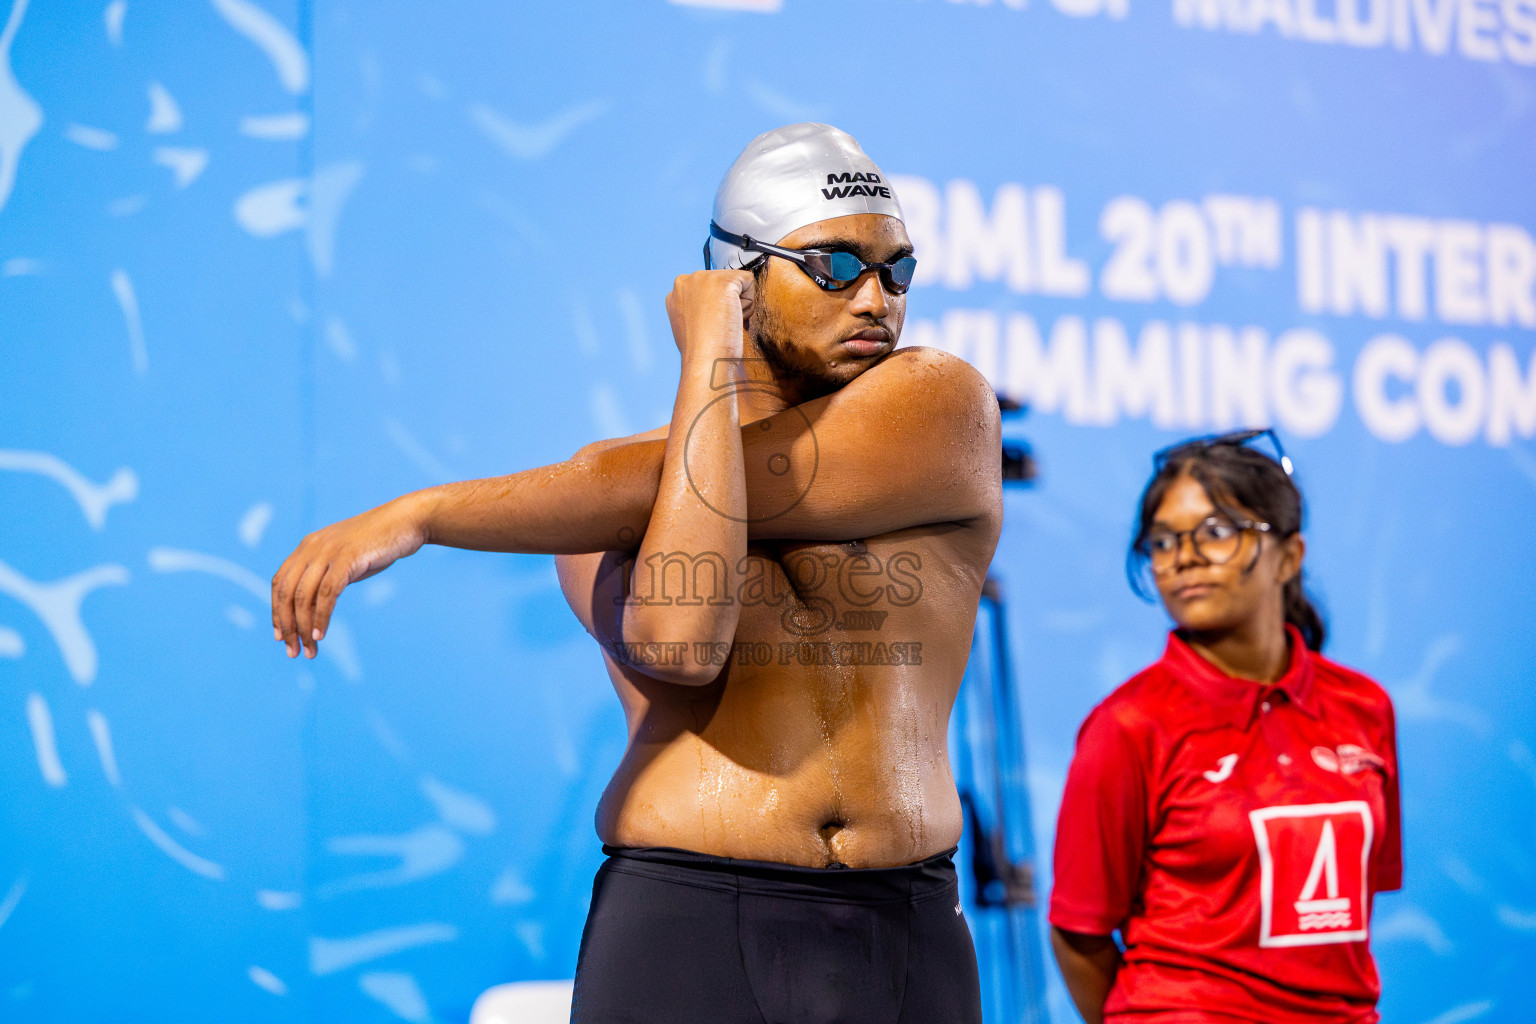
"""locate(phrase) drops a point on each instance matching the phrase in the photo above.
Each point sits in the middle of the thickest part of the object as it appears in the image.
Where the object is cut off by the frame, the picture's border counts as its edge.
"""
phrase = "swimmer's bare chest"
(824, 738)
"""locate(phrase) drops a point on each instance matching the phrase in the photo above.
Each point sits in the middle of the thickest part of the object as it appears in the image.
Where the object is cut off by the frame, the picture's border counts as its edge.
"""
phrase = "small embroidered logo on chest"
(1357, 759)
(1347, 759)
(1223, 770)
(957, 910)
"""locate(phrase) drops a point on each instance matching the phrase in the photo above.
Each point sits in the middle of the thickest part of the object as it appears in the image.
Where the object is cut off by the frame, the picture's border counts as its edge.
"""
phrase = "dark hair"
(759, 269)
(1238, 480)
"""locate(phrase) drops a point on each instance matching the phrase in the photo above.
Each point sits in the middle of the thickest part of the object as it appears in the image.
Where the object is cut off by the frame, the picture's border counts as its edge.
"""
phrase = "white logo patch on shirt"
(1223, 770)
(1313, 872)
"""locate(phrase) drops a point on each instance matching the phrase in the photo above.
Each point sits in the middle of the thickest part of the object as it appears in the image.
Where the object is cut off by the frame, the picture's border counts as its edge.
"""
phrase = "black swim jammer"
(676, 937)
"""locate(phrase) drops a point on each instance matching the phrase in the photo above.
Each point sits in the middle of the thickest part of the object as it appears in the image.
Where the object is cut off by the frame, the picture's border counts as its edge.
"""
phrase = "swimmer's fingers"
(319, 588)
(284, 582)
(700, 295)
(277, 589)
(305, 589)
(675, 317)
(294, 592)
(304, 595)
(331, 585)
(748, 297)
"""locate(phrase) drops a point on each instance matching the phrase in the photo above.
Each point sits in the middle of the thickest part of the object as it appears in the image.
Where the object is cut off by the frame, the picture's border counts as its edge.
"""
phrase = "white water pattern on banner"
(509, 889)
(128, 302)
(94, 499)
(186, 163)
(12, 900)
(272, 209)
(40, 719)
(164, 111)
(533, 141)
(314, 205)
(1462, 1013)
(20, 116)
(272, 899)
(184, 821)
(426, 851)
(1412, 924)
(91, 137)
(276, 127)
(417, 453)
(270, 36)
(174, 850)
(178, 560)
(263, 978)
(254, 523)
(327, 956)
(1414, 700)
(57, 605)
(112, 17)
(399, 992)
(464, 811)
(341, 650)
(101, 735)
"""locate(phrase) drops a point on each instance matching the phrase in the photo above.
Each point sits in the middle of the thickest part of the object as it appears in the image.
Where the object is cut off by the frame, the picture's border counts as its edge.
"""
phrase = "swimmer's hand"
(306, 587)
(709, 309)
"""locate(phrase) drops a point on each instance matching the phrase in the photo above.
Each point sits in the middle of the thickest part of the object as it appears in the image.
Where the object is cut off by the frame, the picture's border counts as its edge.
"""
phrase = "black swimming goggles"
(833, 270)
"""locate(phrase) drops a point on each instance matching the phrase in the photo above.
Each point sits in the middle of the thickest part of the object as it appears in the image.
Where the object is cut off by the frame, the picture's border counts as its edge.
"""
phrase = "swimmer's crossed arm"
(700, 499)
(912, 441)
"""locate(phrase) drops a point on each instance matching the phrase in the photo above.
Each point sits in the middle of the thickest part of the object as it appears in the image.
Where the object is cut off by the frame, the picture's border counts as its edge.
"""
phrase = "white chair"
(524, 1002)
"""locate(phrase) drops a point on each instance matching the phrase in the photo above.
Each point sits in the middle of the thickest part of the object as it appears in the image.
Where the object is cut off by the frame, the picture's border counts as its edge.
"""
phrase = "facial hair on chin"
(807, 378)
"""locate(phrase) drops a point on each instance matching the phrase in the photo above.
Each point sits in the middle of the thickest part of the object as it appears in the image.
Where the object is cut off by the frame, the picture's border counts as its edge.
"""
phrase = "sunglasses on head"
(832, 270)
(1236, 439)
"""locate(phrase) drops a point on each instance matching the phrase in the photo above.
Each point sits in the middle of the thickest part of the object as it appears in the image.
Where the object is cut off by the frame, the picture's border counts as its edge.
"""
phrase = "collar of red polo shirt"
(1235, 701)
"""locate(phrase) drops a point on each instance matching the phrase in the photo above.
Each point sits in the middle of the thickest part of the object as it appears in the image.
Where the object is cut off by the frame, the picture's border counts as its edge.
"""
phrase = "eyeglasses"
(1216, 540)
(833, 270)
(1237, 439)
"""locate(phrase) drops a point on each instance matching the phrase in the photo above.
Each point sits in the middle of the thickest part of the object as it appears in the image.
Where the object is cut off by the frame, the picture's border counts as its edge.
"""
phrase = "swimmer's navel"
(829, 833)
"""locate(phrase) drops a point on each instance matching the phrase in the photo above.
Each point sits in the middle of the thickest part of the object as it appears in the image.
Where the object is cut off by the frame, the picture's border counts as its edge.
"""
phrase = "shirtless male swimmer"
(784, 583)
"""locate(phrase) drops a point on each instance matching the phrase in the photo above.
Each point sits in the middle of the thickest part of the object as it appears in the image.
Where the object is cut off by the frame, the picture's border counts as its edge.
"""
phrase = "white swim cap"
(791, 177)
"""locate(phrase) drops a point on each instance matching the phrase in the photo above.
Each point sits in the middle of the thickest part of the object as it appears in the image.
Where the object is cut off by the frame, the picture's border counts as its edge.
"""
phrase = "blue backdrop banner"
(266, 263)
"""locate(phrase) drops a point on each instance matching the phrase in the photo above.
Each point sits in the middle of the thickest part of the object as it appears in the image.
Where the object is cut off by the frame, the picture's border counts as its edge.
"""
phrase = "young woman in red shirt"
(1232, 810)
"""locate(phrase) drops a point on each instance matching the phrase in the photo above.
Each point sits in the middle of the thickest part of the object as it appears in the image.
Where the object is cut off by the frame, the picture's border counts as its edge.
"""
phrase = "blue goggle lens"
(844, 267)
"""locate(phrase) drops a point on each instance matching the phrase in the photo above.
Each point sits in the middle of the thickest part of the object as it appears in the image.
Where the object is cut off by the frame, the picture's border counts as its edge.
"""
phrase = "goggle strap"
(729, 238)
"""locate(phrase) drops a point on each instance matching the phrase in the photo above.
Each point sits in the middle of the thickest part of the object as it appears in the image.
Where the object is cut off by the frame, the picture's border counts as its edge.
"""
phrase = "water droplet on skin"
(703, 786)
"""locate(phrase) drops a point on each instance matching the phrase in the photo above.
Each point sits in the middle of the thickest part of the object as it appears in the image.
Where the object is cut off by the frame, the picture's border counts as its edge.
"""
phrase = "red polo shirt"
(1234, 834)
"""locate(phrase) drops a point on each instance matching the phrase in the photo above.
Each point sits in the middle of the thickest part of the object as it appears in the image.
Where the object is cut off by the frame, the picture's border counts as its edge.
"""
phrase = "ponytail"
(1299, 612)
